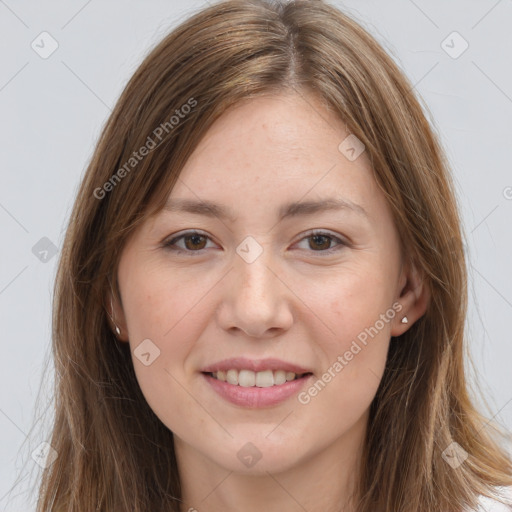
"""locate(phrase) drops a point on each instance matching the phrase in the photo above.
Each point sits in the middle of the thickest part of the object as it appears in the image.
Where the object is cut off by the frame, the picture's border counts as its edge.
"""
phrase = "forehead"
(286, 145)
(286, 126)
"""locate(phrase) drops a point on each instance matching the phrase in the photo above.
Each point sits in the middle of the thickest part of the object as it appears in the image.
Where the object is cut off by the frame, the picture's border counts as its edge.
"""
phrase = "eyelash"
(169, 244)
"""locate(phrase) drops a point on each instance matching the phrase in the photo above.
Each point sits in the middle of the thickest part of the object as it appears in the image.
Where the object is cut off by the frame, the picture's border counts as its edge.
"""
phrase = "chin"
(255, 455)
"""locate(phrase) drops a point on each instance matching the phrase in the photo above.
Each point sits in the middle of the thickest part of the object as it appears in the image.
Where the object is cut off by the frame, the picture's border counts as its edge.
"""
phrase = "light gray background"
(52, 111)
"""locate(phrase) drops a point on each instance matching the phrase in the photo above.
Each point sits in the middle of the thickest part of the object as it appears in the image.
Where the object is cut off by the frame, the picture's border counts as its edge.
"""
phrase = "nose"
(255, 298)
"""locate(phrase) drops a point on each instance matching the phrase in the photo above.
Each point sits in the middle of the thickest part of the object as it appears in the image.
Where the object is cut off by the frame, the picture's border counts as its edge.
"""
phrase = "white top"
(488, 505)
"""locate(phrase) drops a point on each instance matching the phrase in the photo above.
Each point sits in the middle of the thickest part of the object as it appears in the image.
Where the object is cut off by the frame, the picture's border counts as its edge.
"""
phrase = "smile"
(262, 379)
(254, 390)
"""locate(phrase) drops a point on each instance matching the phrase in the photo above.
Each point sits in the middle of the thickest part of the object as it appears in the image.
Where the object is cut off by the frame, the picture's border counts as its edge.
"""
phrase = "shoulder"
(489, 505)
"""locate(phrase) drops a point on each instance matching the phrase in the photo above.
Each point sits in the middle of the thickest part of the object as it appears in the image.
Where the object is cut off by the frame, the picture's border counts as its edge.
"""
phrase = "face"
(266, 292)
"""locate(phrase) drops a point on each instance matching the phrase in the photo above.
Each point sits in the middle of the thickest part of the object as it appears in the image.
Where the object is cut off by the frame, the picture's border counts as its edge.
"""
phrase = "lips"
(256, 383)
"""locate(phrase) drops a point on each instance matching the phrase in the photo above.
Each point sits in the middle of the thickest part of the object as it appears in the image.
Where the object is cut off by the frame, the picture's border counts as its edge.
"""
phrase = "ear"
(414, 296)
(116, 316)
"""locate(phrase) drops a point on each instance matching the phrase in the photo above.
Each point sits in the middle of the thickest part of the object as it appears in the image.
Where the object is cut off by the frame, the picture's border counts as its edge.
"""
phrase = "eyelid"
(170, 241)
(322, 232)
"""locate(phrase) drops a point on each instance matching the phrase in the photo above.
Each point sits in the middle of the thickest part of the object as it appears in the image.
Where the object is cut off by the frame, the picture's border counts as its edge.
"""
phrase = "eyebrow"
(288, 210)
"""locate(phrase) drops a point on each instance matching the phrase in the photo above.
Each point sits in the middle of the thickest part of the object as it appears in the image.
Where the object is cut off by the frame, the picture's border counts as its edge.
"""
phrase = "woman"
(261, 298)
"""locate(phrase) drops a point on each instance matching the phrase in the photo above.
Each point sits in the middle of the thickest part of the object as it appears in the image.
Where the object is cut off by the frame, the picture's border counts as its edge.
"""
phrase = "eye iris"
(193, 237)
(318, 242)
(316, 237)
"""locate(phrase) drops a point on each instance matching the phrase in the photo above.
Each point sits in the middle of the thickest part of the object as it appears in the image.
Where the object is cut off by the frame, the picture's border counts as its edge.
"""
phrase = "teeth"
(279, 377)
(248, 378)
(264, 379)
(232, 377)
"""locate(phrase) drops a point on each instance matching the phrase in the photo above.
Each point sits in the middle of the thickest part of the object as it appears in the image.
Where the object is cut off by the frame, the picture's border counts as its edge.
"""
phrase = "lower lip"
(254, 397)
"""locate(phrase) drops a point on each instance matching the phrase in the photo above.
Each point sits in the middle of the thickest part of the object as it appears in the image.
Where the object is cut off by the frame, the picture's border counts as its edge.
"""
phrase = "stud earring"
(405, 320)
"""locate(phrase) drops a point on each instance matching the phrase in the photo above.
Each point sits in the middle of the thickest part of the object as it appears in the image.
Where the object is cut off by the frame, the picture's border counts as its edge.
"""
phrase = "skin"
(295, 302)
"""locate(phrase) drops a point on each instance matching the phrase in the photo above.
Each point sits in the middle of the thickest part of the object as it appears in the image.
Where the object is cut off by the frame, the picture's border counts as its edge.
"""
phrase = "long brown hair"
(113, 452)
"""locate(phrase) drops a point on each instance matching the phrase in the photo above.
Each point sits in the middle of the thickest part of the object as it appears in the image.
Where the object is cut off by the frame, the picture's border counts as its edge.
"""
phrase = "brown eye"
(320, 242)
(192, 242)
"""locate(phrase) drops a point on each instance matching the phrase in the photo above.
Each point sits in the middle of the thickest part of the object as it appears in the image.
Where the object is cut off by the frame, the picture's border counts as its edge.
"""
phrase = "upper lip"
(242, 363)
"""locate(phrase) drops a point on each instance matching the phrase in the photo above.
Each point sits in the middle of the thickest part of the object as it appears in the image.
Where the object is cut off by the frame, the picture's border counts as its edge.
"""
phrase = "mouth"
(256, 383)
(261, 379)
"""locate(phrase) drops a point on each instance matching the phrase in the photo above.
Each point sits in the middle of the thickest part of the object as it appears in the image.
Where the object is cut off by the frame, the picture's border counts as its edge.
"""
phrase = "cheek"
(357, 308)
(163, 305)
(353, 361)
(169, 309)
(353, 303)
(169, 324)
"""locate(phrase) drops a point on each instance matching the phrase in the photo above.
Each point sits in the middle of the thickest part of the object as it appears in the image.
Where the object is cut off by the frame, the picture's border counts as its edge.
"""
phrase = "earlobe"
(414, 298)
